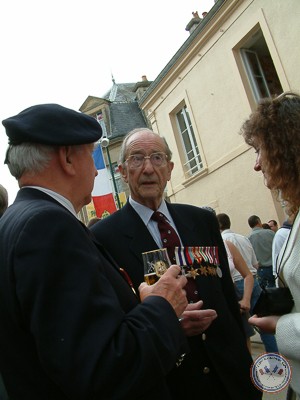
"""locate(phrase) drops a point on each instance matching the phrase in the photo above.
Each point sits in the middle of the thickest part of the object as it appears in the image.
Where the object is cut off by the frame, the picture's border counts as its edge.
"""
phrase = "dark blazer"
(219, 363)
(70, 325)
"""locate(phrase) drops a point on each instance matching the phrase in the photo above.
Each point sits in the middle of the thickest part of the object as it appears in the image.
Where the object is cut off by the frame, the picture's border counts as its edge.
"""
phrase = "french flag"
(102, 195)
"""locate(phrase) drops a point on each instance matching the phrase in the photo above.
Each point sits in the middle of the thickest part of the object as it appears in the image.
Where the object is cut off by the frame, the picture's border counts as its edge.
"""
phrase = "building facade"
(239, 52)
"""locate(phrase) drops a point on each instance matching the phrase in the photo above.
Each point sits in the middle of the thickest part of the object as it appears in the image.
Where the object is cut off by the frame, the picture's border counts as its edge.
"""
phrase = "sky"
(62, 51)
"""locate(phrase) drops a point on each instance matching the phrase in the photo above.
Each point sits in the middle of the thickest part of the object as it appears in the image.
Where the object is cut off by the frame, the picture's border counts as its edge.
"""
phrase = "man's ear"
(170, 168)
(123, 172)
(65, 155)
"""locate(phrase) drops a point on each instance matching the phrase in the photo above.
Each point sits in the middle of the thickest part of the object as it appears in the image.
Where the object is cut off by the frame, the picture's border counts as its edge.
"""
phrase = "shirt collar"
(56, 196)
(145, 212)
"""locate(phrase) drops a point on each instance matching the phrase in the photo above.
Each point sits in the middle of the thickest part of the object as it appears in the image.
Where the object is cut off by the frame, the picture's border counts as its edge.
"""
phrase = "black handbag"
(274, 301)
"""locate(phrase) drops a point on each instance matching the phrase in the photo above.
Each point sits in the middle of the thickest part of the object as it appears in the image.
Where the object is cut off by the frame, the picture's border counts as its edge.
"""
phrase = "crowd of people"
(250, 257)
(75, 313)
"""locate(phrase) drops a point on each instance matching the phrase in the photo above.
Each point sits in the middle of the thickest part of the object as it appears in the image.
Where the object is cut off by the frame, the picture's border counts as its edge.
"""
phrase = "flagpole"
(105, 143)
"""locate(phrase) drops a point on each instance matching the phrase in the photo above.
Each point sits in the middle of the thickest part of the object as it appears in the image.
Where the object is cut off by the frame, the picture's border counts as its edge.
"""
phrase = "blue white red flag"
(102, 195)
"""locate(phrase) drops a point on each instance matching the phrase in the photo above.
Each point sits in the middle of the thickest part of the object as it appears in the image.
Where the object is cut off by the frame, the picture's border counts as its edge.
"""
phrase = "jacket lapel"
(186, 228)
(139, 239)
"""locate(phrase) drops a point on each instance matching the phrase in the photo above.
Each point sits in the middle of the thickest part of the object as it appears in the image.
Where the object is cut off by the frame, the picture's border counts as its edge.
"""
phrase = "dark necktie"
(168, 234)
(170, 240)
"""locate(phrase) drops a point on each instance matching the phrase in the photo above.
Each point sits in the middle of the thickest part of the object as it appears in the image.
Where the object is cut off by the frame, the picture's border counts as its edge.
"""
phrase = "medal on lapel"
(198, 260)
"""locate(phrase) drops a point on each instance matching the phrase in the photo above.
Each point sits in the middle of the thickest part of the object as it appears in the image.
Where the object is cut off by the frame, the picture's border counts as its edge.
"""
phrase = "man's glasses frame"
(158, 159)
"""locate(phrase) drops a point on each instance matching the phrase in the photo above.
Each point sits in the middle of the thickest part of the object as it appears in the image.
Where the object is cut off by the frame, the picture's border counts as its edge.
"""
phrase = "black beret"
(52, 124)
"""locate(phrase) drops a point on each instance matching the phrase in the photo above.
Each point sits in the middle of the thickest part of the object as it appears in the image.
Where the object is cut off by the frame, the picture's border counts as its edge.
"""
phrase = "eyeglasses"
(138, 160)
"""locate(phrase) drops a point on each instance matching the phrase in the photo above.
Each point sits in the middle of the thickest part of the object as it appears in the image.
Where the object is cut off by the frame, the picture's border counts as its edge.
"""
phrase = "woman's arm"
(241, 266)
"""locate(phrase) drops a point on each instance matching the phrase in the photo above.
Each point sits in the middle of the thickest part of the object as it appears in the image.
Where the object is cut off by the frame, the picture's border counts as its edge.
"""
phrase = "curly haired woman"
(273, 130)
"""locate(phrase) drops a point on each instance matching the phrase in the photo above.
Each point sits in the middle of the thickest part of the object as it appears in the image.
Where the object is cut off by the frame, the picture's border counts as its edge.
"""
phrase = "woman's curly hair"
(275, 127)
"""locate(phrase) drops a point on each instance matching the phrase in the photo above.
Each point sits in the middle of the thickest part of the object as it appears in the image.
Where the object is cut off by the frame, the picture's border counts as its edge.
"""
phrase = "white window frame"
(100, 119)
(193, 158)
(117, 176)
(253, 78)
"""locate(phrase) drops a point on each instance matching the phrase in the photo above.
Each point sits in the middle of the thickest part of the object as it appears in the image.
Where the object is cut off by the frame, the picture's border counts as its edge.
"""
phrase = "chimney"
(194, 22)
(141, 87)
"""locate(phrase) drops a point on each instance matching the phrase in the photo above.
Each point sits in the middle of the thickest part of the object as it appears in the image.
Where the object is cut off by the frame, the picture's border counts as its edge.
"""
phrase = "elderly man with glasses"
(218, 364)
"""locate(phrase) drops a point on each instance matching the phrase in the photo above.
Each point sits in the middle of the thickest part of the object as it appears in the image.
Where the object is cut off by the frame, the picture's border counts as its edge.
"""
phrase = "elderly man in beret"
(70, 325)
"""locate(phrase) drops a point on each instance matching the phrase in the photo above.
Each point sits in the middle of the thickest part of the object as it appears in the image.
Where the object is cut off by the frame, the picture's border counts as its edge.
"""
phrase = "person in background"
(280, 237)
(3, 207)
(273, 130)
(266, 226)
(241, 273)
(261, 240)
(244, 246)
(92, 221)
(217, 368)
(273, 225)
(70, 325)
(3, 200)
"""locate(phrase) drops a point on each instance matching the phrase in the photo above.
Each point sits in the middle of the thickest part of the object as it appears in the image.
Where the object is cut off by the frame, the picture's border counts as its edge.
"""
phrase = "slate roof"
(122, 106)
(125, 113)
(124, 117)
(121, 92)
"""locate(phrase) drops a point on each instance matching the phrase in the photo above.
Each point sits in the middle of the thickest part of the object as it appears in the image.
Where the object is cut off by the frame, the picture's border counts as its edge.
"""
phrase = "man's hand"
(170, 286)
(194, 320)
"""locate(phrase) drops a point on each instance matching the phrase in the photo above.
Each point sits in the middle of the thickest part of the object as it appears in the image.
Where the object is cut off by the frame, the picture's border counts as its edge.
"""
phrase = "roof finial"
(113, 79)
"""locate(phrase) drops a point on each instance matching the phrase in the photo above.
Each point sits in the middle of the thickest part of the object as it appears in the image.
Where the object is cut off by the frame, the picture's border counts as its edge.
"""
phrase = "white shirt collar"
(145, 212)
(56, 196)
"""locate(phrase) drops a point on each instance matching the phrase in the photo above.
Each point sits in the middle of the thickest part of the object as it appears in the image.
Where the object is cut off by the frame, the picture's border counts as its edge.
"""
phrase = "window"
(102, 117)
(117, 177)
(193, 162)
(256, 74)
(259, 67)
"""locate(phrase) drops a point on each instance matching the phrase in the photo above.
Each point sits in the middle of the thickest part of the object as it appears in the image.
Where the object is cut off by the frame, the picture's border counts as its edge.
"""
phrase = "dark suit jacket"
(70, 325)
(222, 350)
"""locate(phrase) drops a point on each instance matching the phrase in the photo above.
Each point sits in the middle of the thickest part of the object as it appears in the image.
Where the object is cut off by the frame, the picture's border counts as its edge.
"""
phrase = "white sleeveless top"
(235, 275)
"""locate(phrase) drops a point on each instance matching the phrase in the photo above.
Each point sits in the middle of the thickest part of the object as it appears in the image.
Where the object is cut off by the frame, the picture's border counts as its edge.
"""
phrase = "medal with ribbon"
(198, 260)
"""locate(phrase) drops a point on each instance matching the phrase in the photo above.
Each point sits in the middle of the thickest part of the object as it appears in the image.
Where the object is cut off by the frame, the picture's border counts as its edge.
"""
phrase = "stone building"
(237, 53)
